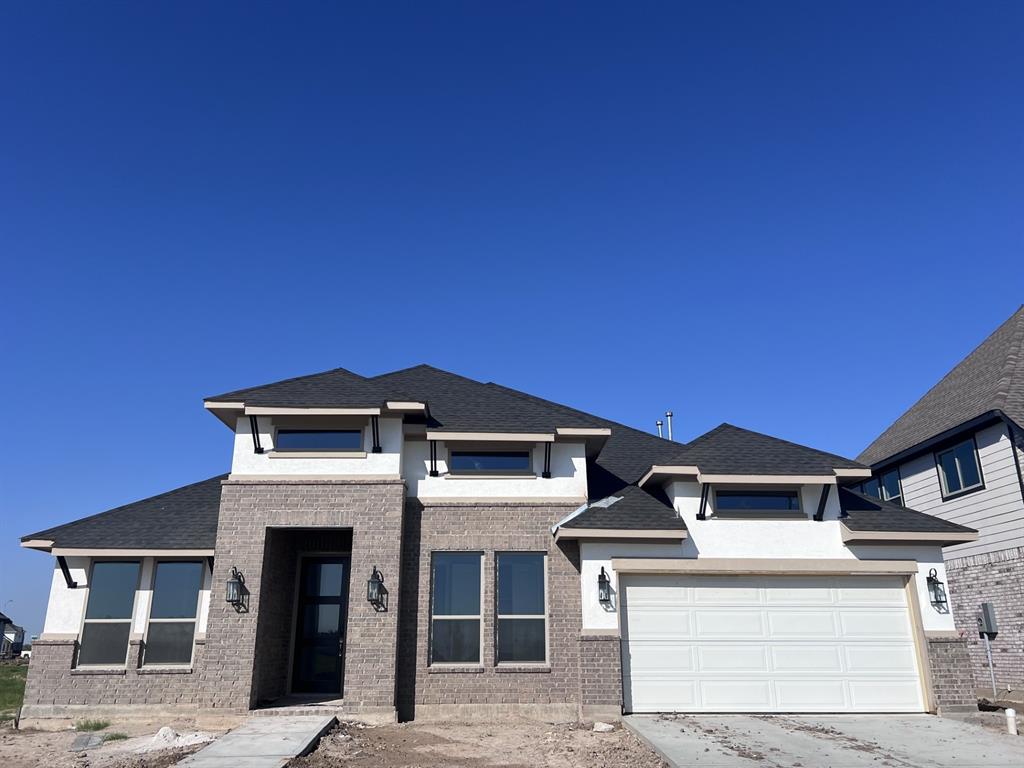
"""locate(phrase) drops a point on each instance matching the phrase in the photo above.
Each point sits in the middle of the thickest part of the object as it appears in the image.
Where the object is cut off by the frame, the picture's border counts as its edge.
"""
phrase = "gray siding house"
(957, 454)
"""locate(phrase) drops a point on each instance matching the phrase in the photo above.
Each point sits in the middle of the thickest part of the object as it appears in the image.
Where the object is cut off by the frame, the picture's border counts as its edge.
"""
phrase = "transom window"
(108, 614)
(777, 502)
(505, 462)
(455, 608)
(172, 617)
(319, 440)
(958, 468)
(522, 614)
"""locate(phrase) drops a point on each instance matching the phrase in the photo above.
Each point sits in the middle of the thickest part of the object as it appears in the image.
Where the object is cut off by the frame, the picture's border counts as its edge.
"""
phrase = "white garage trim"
(752, 566)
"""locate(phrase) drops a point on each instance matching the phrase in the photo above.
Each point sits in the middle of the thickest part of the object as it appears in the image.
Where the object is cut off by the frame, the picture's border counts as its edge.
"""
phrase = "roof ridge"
(286, 381)
(118, 508)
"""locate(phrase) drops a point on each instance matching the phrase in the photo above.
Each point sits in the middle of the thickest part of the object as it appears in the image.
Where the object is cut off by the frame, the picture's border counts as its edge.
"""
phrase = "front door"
(320, 626)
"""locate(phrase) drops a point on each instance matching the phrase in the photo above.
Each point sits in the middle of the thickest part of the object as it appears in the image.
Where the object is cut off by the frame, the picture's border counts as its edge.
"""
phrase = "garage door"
(768, 644)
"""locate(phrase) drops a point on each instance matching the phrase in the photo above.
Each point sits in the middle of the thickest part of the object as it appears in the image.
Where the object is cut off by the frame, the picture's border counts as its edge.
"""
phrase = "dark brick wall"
(488, 528)
(997, 578)
(952, 678)
(237, 662)
(600, 671)
(52, 680)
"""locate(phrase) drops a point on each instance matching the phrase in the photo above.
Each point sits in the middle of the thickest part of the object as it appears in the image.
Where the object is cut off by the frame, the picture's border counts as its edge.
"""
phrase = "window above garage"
(778, 502)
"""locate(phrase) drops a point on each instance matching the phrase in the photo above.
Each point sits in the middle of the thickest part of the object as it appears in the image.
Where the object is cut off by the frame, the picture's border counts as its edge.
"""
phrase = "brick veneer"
(551, 690)
(952, 679)
(997, 578)
(600, 684)
(239, 658)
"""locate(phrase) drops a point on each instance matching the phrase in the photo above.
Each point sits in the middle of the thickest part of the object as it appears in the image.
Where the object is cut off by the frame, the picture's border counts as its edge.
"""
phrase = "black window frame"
(940, 473)
(194, 621)
(527, 472)
(130, 620)
(478, 617)
(361, 431)
(787, 514)
(499, 616)
(899, 484)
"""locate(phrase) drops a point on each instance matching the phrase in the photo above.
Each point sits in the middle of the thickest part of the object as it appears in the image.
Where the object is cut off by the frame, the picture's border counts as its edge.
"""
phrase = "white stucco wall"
(568, 476)
(244, 461)
(733, 538)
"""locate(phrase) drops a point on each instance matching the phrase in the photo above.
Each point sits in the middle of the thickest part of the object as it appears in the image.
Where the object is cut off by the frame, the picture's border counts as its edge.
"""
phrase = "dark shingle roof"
(335, 388)
(866, 513)
(185, 518)
(991, 378)
(729, 450)
(631, 508)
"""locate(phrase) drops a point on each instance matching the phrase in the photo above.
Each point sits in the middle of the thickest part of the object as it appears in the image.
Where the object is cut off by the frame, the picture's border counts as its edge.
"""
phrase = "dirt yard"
(508, 744)
(45, 749)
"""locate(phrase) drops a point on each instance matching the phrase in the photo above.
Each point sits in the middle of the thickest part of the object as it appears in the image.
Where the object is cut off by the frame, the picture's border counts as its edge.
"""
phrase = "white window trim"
(204, 568)
(498, 616)
(130, 620)
(944, 486)
(479, 616)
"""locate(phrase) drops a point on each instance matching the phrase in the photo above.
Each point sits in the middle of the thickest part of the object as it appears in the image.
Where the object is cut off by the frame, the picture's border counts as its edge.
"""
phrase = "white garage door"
(768, 644)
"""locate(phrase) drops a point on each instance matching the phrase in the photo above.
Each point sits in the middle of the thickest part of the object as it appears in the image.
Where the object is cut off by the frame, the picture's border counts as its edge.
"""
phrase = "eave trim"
(129, 552)
(941, 537)
(270, 410)
(744, 566)
(506, 437)
(674, 534)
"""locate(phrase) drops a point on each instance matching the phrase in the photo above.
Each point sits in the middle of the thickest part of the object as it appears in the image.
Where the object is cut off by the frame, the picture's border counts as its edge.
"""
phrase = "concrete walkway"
(263, 742)
(825, 741)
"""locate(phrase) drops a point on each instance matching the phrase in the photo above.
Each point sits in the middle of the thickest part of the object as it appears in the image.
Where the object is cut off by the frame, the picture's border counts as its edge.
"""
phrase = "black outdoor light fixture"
(376, 592)
(937, 591)
(604, 588)
(236, 591)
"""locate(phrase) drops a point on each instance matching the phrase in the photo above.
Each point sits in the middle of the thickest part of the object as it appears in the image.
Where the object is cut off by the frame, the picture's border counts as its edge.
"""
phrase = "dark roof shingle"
(631, 508)
(866, 513)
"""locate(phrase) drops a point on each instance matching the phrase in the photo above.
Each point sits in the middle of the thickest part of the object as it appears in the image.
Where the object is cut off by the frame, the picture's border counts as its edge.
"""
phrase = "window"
(958, 468)
(172, 617)
(108, 615)
(871, 488)
(455, 608)
(779, 502)
(490, 462)
(521, 607)
(890, 487)
(319, 440)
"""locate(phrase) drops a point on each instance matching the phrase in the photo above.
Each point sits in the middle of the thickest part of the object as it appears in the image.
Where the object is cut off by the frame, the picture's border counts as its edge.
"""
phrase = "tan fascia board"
(255, 410)
(43, 545)
(226, 413)
(213, 405)
(747, 566)
(582, 432)
(485, 437)
(619, 533)
(935, 537)
(767, 479)
(132, 552)
(852, 472)
(669, 470)
(402, 405)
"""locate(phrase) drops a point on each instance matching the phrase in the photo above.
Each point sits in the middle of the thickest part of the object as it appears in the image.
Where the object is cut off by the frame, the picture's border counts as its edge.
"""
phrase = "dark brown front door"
(320, 626)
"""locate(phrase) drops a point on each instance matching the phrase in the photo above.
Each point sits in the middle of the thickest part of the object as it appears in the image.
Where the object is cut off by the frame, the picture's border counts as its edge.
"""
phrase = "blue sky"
(791, 216)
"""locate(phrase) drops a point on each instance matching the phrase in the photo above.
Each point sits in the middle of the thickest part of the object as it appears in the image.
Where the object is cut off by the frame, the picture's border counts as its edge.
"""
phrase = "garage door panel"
(806, 658)
(803, 624)
(729, 624)
(732, 658)
(764, 644)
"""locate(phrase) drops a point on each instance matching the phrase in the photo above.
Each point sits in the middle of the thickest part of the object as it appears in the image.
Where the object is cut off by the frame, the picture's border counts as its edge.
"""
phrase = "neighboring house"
(957, 454)
(419, 544)
(12, 638)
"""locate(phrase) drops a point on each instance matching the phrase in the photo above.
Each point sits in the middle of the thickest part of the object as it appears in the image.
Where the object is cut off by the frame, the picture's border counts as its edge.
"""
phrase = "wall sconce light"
(236, 593)
(604, 588)
(376, 592)
(937, 592)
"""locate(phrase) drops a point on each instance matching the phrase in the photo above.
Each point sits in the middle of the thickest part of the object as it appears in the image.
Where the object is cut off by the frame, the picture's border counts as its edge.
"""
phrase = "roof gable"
(991, 378)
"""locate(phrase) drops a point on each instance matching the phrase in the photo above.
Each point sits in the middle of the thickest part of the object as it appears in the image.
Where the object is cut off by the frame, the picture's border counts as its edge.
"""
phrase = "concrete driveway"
(825, 741)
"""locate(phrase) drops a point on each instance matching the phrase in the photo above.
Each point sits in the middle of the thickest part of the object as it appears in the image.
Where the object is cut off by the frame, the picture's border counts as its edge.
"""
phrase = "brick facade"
(600, 684)
(997, 578)
(549, 690)
(949, 662)
(243, 652)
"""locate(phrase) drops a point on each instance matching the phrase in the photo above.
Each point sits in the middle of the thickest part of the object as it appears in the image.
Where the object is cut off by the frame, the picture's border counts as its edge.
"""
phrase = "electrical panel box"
(987, 621)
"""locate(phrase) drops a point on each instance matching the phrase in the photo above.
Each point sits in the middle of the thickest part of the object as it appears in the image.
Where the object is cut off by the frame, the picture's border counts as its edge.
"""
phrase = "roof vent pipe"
(659, 423)
(668, 417)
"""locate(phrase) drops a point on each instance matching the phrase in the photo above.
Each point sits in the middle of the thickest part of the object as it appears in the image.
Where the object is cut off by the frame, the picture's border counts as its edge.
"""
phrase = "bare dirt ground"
(508, 744)
(46, 749)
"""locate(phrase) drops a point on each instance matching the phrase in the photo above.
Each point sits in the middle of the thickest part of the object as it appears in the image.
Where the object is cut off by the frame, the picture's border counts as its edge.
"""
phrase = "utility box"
(987, 621)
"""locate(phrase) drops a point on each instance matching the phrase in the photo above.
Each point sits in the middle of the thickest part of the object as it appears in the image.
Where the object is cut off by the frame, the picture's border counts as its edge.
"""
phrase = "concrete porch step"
(262, 743)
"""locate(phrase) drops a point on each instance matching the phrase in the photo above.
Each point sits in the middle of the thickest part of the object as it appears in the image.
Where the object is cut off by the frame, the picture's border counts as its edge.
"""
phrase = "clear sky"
(791, 216)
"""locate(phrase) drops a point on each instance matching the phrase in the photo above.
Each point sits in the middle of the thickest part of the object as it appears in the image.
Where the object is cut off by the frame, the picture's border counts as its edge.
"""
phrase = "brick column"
(949, 660)
(600, 677)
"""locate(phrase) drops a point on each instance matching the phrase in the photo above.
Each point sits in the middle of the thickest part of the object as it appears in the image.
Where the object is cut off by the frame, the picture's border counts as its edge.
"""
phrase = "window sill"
(98, 671)
(168, 670)
(454, 669)
(755, 515)
(316, 454)
(961, 494)
(520, 669)
(511, 476)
